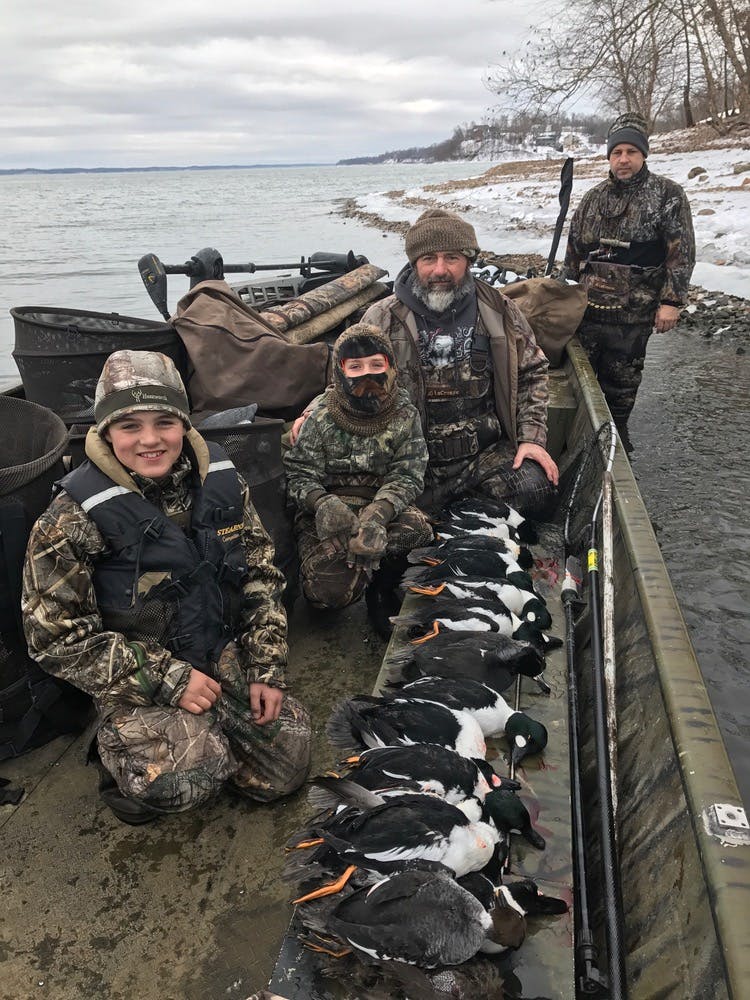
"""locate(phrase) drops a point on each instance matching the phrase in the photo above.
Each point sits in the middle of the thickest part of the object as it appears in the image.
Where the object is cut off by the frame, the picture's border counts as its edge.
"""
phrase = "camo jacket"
(63, 627)
(390, 465)
(645, 210)
(519, 367)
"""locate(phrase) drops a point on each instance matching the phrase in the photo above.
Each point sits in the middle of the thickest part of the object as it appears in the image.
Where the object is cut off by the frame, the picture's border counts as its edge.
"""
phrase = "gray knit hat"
(438, 231)
(630, 128)
(138, 380)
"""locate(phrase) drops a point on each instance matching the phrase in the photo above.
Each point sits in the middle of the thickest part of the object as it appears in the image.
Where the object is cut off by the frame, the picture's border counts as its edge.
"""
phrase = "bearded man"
(472, 367)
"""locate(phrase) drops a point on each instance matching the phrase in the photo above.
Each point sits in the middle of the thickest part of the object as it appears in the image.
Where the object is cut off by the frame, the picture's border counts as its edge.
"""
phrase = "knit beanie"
(360, 341)
(138, 380)
(630, 128)
(362, 404)
(438, 231)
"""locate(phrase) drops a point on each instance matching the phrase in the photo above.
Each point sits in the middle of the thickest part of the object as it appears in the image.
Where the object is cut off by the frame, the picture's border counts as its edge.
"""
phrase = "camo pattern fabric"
(327, 581)
(646, 209)
(64, 629)
(388, 465)
(617, 354)
(519, 368)
(173, 760)
(319, 300)
(490, 474)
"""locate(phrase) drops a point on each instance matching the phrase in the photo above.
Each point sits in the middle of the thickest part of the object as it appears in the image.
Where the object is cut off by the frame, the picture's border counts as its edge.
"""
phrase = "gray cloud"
(116, 84)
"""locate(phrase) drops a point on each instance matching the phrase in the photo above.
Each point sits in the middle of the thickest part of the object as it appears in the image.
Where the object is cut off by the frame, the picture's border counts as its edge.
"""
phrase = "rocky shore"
(714, 315)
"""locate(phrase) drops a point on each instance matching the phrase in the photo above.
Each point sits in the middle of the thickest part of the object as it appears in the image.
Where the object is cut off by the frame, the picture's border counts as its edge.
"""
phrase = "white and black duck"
(368, 721)
(494, 715)
(529, 607)
(489, 564)
(424, 767)
(451, 615)
(387, 835)
(496, 510)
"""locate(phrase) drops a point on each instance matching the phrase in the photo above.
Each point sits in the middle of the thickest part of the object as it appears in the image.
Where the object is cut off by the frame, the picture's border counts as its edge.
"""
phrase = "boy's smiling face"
(373, 364)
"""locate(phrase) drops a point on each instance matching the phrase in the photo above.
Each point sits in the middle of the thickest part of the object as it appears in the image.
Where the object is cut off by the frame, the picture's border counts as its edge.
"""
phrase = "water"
(74, 240)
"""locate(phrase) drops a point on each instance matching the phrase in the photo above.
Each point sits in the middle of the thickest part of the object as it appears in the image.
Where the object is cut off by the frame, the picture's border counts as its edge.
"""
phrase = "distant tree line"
(675, 62)
(483, 140)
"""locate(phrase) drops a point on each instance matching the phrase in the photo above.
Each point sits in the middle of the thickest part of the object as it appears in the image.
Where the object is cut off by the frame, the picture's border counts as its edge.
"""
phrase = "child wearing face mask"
(354, 473)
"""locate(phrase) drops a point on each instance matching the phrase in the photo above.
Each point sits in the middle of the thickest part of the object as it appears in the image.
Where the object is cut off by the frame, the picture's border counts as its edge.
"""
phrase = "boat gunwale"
(705, 770)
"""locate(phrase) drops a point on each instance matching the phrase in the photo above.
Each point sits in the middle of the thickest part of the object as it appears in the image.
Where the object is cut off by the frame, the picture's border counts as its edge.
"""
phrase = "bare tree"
(625, 56)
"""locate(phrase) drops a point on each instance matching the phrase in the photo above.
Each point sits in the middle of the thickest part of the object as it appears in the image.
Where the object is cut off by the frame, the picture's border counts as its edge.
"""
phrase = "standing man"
(472, 367)
(631, 244)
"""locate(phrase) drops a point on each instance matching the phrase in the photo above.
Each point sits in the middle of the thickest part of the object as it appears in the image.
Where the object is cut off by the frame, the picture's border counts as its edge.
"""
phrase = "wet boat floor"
(192, 907)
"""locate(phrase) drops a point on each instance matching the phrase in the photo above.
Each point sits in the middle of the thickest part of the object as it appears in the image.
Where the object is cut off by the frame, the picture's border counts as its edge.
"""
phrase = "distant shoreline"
(145, 170)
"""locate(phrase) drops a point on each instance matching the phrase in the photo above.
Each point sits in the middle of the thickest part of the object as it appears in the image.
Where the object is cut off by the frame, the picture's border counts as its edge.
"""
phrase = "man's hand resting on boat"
(265, 703)
(537, 454)
(201, 693)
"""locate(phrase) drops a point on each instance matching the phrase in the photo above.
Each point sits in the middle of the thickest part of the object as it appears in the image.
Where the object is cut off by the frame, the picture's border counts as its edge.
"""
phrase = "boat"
(195, 908)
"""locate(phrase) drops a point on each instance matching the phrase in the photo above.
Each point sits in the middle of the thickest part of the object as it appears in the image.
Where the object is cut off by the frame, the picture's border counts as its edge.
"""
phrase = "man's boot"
(382, 597)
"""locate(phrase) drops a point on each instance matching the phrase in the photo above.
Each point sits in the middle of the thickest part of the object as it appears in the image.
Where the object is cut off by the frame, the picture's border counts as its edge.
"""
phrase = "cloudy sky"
(136, 83)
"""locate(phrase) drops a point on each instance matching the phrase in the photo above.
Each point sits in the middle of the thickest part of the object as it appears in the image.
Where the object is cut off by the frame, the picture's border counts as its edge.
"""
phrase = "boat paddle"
(566, 186)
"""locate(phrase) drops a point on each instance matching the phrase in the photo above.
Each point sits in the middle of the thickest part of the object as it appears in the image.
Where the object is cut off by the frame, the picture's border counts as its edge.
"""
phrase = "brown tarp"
(237, 357)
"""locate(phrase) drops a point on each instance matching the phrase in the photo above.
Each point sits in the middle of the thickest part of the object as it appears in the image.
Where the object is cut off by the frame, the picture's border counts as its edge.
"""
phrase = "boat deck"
(190, 907)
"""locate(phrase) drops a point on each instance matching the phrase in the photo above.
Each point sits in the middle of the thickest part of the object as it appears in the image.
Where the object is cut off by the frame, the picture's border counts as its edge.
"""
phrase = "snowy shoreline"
(514, 206)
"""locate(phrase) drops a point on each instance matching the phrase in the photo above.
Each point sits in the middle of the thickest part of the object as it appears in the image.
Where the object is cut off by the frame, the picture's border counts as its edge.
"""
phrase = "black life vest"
(157, 582)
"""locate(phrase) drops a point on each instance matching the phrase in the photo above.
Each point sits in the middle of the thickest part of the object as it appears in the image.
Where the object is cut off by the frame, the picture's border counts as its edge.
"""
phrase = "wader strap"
(480, 351)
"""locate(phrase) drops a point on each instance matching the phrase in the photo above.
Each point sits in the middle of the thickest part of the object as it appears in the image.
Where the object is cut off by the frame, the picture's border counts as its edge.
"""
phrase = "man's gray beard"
(438, 300)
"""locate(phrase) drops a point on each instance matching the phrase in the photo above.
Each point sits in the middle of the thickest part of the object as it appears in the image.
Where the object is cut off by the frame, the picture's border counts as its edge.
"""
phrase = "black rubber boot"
(126, 810)
(382, 597)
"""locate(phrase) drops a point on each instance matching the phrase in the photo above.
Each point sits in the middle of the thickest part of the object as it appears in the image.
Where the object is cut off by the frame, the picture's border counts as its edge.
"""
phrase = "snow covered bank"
(514, 206)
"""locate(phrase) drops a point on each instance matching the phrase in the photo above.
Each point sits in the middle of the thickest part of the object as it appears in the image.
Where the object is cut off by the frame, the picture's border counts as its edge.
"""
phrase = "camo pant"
(173, 760)
(327, 582)
(617, 353)
(490, 473)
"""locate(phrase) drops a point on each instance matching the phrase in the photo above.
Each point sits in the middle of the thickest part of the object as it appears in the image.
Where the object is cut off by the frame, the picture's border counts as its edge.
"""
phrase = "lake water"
(74, 241)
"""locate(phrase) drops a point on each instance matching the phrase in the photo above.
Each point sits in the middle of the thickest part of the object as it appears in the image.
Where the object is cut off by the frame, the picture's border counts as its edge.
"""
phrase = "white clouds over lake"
(138, 84)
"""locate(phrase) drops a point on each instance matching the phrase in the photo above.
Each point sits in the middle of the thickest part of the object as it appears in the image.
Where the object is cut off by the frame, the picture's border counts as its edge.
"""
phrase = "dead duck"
(496, 510)
(529, 606)
(489, 657)
(424, 767)
(368, 721)
(386, 835)
(494, 715)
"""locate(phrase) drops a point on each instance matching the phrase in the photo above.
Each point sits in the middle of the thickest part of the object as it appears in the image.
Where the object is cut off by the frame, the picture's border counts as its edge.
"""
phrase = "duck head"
(525, 735)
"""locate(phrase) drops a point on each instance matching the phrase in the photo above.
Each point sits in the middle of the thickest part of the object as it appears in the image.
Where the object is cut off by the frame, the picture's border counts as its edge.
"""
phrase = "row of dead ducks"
(402, 867)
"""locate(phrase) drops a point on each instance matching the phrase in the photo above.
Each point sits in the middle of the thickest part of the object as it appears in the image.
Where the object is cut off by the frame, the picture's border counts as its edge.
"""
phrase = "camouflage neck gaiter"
(364, 404)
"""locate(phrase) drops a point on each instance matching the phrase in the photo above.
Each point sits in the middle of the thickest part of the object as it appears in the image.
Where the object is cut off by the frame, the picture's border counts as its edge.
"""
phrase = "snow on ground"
(514, 206)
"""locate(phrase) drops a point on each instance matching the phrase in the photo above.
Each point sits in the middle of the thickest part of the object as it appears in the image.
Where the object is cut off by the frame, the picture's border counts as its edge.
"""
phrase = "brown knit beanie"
(438, 231)
(629, 128)
(138, 380)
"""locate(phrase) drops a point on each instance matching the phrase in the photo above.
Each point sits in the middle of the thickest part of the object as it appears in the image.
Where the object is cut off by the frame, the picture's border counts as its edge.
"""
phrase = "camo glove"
(367, 547)
(334, 521)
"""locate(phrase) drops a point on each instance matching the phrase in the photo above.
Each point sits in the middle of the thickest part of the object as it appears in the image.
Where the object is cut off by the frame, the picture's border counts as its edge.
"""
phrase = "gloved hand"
(367, 547)
(334, 521)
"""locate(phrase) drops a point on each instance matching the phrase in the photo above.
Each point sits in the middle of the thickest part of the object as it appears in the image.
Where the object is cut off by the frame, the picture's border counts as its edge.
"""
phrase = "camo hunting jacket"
(64, 629)
(519, 367)
(652, 214)
(389, 465)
